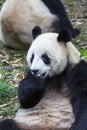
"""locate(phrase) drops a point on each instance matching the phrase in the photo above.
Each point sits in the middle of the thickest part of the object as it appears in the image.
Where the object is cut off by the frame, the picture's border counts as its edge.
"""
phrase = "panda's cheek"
(44, 69)
(47, 70)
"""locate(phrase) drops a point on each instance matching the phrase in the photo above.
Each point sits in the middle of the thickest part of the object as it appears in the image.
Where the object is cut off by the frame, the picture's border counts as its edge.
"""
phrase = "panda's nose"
(34, 71)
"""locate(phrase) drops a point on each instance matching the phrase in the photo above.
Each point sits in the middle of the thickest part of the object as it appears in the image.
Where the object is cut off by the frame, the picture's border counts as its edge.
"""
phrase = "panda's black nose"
(34, 71)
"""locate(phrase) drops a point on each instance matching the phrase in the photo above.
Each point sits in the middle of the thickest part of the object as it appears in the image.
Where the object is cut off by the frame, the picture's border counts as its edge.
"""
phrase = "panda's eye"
(45, 59)
(32, 57)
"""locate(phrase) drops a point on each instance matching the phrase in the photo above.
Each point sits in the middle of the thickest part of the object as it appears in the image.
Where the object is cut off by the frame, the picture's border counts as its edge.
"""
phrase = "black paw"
(30, 91)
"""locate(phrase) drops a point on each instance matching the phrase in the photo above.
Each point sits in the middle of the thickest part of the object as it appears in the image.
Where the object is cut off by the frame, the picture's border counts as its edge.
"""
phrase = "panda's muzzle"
(36, 73)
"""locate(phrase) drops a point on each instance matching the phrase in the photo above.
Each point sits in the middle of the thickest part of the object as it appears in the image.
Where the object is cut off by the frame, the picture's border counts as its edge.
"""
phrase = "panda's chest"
(53, 111)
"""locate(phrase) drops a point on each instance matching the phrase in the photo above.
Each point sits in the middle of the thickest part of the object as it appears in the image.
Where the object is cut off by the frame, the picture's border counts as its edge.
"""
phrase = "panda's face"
(47, 57)
(50, 53)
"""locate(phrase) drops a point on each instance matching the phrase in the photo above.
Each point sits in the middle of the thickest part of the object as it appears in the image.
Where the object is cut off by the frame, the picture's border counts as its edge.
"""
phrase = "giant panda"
(53, 94)
(18, 17)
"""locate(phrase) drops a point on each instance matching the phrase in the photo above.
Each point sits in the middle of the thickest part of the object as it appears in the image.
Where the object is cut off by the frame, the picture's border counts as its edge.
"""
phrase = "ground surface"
(13, 64)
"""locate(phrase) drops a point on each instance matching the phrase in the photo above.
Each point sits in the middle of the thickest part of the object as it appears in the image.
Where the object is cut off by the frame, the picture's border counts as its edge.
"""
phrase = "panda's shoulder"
(77, 77)
(80, 68)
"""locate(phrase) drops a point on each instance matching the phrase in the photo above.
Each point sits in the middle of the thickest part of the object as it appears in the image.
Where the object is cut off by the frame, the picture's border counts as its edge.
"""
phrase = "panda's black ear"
(36, 31)
(64, 35)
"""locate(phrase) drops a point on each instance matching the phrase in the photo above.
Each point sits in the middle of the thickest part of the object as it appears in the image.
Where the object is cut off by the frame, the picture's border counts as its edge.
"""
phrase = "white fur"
(73, 53)
(18, 17)
(1, 36)
(54, 112)
(57, 52)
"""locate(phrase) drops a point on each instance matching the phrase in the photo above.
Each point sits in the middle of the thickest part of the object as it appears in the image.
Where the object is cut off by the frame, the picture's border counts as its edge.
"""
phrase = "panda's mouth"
(43, 75)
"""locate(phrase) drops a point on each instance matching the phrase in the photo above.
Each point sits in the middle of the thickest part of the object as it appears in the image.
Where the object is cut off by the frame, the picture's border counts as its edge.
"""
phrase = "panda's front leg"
(30, 90)
(80, 111)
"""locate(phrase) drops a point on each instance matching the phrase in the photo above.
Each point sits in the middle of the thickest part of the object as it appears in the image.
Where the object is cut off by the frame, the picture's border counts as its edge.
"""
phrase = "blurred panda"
(55, 83)
(18, 17)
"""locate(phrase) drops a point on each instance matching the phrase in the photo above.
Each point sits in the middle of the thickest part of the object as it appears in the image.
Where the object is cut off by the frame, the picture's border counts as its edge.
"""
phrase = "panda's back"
(17, 21)
(53, 112)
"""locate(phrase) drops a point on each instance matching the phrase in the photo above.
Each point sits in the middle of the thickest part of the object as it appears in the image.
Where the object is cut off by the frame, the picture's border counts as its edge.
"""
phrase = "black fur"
(36, 31)
(9, 124)
(30, 91)
(46, 59)
(32, 57)
(64, 35)
(77, 82)
(57, 8)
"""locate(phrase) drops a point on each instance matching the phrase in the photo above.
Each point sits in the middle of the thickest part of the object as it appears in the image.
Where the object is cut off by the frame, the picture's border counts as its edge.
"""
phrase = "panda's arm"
(30, 91)
(78, 86)
(81, 116)
(56, 7)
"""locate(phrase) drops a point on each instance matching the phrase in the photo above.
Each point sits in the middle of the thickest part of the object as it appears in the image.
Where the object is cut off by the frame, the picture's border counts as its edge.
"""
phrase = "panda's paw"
(8, 124)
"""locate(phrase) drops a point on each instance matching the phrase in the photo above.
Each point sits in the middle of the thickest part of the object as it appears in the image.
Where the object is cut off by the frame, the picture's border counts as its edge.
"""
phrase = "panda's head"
(50, 53)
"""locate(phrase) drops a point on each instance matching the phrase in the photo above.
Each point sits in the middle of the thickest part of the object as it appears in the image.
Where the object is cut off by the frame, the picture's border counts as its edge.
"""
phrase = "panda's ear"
(36, 31)
(64, 35)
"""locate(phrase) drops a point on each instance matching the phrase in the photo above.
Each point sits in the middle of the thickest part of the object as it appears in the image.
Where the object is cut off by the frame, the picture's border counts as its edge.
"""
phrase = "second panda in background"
(18, 17)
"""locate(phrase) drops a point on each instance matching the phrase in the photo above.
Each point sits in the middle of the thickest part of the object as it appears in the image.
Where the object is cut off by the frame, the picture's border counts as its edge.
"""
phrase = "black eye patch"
(32, 57)
(45, 59)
